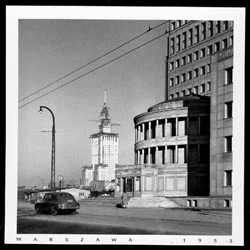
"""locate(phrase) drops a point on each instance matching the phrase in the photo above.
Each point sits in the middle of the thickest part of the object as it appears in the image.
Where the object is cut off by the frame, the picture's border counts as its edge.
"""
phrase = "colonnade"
(168, 154)
(177, 126)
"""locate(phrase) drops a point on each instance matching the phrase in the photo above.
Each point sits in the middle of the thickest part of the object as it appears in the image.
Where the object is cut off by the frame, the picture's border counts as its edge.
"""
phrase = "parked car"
(57, 201)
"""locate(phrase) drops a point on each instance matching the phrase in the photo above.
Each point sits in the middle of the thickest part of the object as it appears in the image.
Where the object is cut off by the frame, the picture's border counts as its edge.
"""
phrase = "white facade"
(104, 151)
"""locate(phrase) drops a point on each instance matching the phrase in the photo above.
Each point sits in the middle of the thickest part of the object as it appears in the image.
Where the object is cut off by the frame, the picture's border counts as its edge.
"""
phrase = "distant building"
(104, 150)
(87, 175)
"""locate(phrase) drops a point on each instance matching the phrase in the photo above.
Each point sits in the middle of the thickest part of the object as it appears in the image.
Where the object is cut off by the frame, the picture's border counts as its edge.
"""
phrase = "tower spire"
(104, 97)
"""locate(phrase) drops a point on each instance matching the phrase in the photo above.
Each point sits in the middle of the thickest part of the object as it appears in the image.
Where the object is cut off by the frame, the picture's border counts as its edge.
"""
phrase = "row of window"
(204, 87)
(204, 25)
(194, 35)
(189, 75)
(201, 53)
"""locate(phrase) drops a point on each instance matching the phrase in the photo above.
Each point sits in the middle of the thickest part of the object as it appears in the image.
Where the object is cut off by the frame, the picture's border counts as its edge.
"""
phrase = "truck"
(98, 188)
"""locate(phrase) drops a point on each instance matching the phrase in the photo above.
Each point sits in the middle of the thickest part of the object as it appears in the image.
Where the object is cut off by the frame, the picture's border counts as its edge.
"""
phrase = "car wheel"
(38, 210)
(53, 210)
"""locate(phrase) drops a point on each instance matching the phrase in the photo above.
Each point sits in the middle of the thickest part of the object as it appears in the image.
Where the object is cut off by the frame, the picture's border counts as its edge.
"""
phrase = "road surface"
(112, 220)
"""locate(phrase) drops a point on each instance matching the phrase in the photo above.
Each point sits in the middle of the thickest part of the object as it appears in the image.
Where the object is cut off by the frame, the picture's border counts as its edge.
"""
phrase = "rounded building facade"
(171, 149)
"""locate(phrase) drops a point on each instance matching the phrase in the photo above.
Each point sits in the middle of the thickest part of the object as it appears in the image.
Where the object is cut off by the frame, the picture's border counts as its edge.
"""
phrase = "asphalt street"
(112, 220)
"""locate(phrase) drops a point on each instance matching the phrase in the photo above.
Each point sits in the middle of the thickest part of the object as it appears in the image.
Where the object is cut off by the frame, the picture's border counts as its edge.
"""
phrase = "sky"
(50, 49)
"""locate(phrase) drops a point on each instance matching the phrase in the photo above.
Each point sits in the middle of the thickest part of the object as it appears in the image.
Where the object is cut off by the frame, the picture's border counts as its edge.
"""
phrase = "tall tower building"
(104, 147)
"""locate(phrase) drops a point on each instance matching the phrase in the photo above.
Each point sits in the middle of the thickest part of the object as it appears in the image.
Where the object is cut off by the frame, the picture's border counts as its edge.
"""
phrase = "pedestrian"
(124, 198)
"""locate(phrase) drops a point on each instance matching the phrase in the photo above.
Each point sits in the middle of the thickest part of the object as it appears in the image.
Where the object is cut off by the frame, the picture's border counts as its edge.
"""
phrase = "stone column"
(143, 155)
(176, 126)
(176, 154)
(139, 133)
(143, 131)
(166, 155)
(156, 155)
(149, 130)
(165, 127)
(149, 157)
(138, 157)
(157, 129)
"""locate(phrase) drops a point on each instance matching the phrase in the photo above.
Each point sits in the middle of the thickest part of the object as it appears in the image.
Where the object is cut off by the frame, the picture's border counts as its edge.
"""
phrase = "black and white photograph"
(125, 125)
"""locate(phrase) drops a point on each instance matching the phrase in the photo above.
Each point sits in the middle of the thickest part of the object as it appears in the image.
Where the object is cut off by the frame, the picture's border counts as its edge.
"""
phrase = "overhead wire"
(61, 78)
(93, 70)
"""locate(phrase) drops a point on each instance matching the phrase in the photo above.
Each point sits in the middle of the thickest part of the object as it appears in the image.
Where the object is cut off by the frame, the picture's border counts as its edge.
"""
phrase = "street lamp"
(53, 148)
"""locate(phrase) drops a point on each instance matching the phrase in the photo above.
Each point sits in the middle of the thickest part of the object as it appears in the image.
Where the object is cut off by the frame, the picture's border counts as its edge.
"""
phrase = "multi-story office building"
(172, 155)
(200, 60)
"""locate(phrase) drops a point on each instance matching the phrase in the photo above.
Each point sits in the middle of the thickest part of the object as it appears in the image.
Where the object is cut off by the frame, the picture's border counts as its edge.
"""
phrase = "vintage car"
(57, 201)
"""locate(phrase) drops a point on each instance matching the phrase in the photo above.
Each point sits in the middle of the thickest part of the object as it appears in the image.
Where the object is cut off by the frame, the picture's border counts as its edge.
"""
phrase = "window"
(184, 40)
(172, 25)
(177, 95)
(209, 68)
(228, 109)
(189, 75)
(177, 79)
(225, 25)
(203, 31)
(195, 90)
(178, 43)
(183, 77)
(195, 73)
(183, 93)
(208, 86)
(196, 55)
(196, 36)
(178, 24)
(217, 27)
(189, 58)
(209, 49)
(188, 92)
(202, 70)
(171, 65)
(172, 46)
(190, 37)
(229, 76)
(202, 88)
(228, 178)
(171, 82)
(183, 60)
(231, 41)
(224, 44)
(228, 144)
(177, 63)
(171, 97)
(210, 28)
(217, 46)
(203, 52)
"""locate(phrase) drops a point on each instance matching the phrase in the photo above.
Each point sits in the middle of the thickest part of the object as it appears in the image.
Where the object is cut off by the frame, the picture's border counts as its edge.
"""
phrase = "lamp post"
(52, 182)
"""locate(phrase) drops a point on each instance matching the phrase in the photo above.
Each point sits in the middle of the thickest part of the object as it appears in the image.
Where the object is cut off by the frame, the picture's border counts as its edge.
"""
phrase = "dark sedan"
(57, 201)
